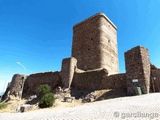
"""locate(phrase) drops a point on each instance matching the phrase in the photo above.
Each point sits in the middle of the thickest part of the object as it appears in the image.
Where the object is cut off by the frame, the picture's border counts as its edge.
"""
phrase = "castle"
(94, 64)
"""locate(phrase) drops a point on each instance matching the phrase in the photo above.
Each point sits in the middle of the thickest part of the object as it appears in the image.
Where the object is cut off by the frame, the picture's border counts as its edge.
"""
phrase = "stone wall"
(137, 68)
(95, 44)
(98, 79)
(116, 81)
(16, 84)
(33, 81)
(155, 79)
(14, 87)
(67, 71)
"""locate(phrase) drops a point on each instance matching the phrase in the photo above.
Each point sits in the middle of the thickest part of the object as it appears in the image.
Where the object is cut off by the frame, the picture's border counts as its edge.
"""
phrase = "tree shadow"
(33, 101)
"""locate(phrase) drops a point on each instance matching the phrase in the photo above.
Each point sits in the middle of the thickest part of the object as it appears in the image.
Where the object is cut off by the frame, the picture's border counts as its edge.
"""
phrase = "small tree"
(47, 100)
(43, 89)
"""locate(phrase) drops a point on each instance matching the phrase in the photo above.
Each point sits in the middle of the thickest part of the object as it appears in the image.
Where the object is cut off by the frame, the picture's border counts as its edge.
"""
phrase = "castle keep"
(95, 44)
(94, 64)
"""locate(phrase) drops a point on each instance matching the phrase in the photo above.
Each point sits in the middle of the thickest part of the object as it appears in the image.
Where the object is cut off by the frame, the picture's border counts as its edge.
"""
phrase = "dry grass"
(100, 95)
(3, 105)
(13, 105)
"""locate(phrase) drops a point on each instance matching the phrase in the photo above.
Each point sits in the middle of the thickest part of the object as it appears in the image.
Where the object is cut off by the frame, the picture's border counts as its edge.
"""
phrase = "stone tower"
(137, 70)
(95, 44)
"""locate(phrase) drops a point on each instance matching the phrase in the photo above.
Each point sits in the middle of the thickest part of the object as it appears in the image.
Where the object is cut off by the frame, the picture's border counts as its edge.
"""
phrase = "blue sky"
(38, 33)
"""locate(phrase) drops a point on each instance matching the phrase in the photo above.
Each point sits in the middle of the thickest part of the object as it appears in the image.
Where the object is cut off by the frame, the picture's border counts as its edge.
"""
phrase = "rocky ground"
(13, 105)
(145, 107)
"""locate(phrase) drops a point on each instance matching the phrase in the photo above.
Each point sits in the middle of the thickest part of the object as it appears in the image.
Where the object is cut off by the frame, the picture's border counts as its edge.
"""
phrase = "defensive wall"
(33, 81)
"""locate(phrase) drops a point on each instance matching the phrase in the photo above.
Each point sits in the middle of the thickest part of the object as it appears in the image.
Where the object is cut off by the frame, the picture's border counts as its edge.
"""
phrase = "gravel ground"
(145, 107)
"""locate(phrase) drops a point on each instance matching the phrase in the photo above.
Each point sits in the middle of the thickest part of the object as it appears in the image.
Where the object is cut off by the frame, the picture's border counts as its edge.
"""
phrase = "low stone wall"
(116, 81)
(33, 81)
(88, 80)
(98, 79)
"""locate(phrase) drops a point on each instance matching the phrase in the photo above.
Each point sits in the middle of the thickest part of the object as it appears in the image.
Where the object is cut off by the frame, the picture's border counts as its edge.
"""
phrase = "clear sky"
(38, 33)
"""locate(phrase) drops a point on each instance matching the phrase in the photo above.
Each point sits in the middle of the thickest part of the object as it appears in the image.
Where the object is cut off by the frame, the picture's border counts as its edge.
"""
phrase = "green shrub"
(3, 105)
(47, 100)
(43, 89)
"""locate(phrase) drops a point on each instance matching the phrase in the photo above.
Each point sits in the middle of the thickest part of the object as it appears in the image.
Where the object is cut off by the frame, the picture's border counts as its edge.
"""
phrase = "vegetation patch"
(3, 105)
(47, 98)
(43, 89)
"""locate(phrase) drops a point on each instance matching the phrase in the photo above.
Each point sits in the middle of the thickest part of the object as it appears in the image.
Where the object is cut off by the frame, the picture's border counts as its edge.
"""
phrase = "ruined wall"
(95, 44)
(116, 81)
(33, 81)
(137, 68)
(98, 79)
(67, 71)
(16, 84)
(155, 79)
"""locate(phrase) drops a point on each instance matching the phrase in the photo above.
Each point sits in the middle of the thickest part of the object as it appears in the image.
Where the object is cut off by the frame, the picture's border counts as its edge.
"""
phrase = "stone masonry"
(95, 44)
(67, 71)
(16, 84)
(155, 79)
(137, 70)
(33, 81)
(97, 80)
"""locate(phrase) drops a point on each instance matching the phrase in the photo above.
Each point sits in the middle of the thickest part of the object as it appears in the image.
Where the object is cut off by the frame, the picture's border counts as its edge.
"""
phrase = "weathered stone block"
(25, 108)
(67, 71)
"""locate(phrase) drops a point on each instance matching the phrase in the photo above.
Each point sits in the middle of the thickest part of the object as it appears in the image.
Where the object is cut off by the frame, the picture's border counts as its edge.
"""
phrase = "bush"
(43, 89)
(3, 105)
(47, 100)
